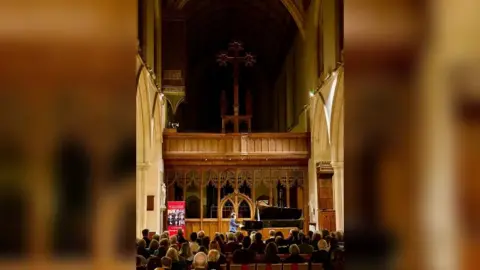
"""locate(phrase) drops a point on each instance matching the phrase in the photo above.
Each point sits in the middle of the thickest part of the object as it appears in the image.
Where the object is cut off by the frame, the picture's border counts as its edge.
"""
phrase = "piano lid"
(278, 213)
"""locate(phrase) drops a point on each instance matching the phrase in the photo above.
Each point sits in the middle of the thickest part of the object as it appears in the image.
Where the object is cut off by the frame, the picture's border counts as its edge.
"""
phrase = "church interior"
(239, 103)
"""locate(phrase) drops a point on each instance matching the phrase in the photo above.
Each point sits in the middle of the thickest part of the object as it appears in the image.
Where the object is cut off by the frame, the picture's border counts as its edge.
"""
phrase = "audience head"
(222, 236)
(156, 237)
(145, 232)
(271, 249)
(165, 235)
(185, 250)
(317, 236)
(206, 241)
(340, 236)
(322, 245)
(302, 238)
(180, 232)
(279, 234)
(310, 234)
(172, 253)
(213, 255)
(203, 249)
(164, 243)
(201, 234)
(231, 237)
(154, 245)
(193, 236)
(166, 262)
(214, 245)
(240, 237)
(278, 240)
(246, 242)
(325, 233)
(173, 240)
(258, 237)
(294, 250)
(218, 239)
(199, 260)
(272, 233)
(142, 243)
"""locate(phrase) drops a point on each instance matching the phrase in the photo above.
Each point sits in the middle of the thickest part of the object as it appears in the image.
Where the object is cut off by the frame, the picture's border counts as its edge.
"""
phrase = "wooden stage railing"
(236, 147)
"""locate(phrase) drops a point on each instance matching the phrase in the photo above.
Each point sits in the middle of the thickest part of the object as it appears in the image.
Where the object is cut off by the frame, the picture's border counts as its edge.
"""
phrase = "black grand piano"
(274, 217)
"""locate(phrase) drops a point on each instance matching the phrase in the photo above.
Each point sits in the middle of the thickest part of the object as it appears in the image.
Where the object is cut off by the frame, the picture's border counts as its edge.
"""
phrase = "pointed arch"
(337, 121)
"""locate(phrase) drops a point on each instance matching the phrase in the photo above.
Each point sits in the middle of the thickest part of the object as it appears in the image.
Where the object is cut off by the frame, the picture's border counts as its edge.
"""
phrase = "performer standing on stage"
(233, 224)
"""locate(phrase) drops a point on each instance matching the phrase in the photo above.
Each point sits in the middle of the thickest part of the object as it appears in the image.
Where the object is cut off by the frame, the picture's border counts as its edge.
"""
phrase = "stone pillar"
(141, 220)
(312, 192)
(338, 199)
(162, 196)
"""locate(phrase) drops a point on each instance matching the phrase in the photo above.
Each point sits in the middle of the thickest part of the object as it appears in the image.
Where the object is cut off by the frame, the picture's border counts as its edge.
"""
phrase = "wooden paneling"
(236, 147)
(327, 220)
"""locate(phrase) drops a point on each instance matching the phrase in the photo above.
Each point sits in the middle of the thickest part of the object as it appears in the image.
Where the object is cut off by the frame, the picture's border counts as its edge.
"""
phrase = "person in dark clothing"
(142, 250)
(177, 262)
(271, 252)
(272, 237)
(205, 241)
(145, 237)
(180, 238)
(221, 243)
(231, 245)
(258, 246)
(322, 255)
(294, 255)
(282, 248)
(305, 247)
(213, 260)
(214, 245)
(244, 255)
(162, 249)
(200, 236)
(310, 237)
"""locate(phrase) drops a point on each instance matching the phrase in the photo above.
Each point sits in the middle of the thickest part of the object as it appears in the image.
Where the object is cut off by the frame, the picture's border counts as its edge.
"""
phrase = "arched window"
(227, 209)
(244, 210)
(210, 208)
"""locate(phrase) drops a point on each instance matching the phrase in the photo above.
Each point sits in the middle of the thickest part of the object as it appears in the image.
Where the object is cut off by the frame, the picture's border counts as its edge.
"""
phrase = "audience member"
(322, 255)
(317, 236)
(213, 260)
(294, 255)
(310, 237)
(166, 262)
(215, 246)
(142, 250)
(305, 247)
(180, 238)
(153, 247)
(244, 255)
(156, 237)
(199, 260)
(194, 246)
(186, 253)
(165, 235)
(200, 236)
(282, 249)
(271, 252)
(162, 249)
(258, 246)
(232, 244)
(203, 249)
(221, 243)
(205, 241)
(272, 237)
(145, 233)
(177, 262)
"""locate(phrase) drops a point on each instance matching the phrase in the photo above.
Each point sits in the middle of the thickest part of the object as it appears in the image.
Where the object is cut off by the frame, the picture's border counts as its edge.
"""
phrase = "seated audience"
(200, 236)
(153, 247)
(317, 236)
(194, 246)
(178, 263)
(292, 237)
(244, 255)
(145, 237)
(142, 250)
(214, 246)
(205, 241)
(322, 255)
(213, 259)
(310, 237)
(156, 237)
(141, 261)
(294, 255)
(162, 249)
(166, 263)
(199, 260)
(165, 235)
(258, 246)
(282, 249)
(180, 238)
(239, 237)
(221, 243)
(271, 252)
(305, 247)
(186, 253)
(203, 249)
(272, 237)
(232, 244)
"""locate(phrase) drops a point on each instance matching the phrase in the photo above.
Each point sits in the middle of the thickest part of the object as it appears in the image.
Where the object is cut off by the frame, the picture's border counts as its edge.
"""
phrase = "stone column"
(312, 191)
(338, 191)
(141, 219)
(162, 196)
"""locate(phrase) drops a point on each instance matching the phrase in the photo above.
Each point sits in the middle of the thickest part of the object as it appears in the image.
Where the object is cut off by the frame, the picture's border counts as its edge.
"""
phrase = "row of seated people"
(184, 254)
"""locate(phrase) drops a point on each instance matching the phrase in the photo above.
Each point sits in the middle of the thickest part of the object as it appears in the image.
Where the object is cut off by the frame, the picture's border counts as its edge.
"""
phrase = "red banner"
(175, 216)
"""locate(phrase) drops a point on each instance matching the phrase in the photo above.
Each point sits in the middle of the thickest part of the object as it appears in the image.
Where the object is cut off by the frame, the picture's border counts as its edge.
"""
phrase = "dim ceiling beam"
(290, 5)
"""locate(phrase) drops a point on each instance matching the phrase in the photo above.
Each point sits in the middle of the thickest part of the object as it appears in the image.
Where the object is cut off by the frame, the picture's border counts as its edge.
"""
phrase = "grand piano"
(274, 217)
